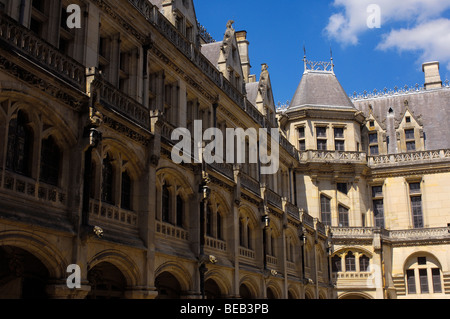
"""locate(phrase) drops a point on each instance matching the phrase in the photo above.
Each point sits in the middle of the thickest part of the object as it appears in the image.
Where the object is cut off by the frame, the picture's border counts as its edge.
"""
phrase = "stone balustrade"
(25, 42)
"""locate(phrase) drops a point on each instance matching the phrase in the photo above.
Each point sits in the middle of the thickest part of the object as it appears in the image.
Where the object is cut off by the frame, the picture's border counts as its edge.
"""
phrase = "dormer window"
(373, 144)
(410, 140)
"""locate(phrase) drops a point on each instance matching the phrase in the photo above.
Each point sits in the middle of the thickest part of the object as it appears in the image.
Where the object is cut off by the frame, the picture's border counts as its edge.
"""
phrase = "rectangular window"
(321, 132)
(421, 261)
(339, 145)
(301, 139)
(377, 191)
(373, 138)
(342, 187)
(410, 146)
(423, 277)
(338, 133)
(416, 207)
(301, 132)
(374, 150)
(437, 286)
(321, 145)
(409, 134)
(302, 145)
(411, 281)
(343, 217)
(325, 208)
(378, 213)
(414, 188)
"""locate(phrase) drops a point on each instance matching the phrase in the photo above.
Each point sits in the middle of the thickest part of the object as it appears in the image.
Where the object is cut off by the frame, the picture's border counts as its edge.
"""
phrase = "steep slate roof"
(320, 89)
(252, 91)
(212, 52)
(432, 108)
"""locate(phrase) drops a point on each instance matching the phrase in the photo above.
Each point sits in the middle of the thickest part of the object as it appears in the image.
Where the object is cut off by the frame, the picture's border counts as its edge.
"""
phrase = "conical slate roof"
(320, 89)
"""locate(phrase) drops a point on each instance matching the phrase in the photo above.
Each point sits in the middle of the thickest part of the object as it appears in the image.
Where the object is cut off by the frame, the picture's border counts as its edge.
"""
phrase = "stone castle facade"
(359, 207)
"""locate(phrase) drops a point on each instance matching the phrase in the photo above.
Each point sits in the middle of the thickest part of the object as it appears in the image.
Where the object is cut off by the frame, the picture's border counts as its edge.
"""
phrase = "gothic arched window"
(20, 144)
(108, 181)
(126, 191)
(180, 211)
(350, 262)
(50, 161)
(165, 204)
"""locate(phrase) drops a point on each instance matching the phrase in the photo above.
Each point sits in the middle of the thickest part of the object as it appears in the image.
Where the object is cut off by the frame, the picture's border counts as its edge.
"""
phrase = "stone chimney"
(432, 76)
(241, 37)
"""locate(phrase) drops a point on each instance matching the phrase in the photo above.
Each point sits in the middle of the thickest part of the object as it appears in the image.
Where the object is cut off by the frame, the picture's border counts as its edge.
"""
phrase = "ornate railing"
(391, 92)
(273, 198)
(272, 260)
(352, 232)
(247, 253)
(251, 184)
(171, 231)
(111, 213)
(224, 168)
(333, 156)
(392, 235)
(204, 34)
(412, 157)
(25, 42)
(115, 100)
(25, 186)
(419, 233)
(215, 243)
(321, 228)
(293, 211)
(307, 219)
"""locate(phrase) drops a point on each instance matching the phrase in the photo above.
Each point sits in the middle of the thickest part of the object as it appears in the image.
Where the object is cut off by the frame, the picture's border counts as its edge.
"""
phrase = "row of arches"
(26, 276)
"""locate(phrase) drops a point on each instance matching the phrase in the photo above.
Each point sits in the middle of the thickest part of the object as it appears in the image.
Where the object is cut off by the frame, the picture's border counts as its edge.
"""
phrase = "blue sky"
(411, 32)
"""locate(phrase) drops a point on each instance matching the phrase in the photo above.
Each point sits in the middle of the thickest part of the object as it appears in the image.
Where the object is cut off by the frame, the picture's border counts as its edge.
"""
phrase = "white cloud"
(431, 38)
(426, 30)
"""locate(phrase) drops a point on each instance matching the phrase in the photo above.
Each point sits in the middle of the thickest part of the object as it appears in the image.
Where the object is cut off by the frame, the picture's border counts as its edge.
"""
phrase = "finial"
(331, 55)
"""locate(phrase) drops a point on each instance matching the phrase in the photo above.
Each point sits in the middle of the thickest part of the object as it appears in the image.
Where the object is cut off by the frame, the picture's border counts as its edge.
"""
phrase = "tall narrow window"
(321, 138)
(336, 263)
(364, 263)
(423, 278)
(410, 140)
(209, 221)
(373, 144)
(416, 205)
(437, 286)
(20, 143)
(108, 181)
(180, 211)
(339, 141)
(50, 161)
(325, 209)
(411, 281)
(126, 191)
(378, 206)
(350, 262)
(301, 138)
(241, 233)
(165, 204)
(249, 237)
(343, 216)
(219, 226)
